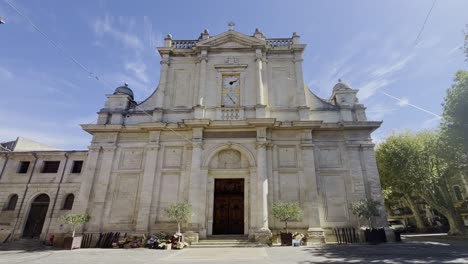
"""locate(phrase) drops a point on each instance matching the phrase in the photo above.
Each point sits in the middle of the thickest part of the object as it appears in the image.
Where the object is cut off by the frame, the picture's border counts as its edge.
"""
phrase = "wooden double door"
(228, 210)
(36, 217)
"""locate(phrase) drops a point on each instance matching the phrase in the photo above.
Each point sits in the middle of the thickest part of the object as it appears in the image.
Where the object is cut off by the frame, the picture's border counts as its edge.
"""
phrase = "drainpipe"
(4, 165)
(56, 194)
(24, 196)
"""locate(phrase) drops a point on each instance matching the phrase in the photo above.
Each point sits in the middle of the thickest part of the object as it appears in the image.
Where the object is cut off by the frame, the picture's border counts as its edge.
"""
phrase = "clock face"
(230, 93)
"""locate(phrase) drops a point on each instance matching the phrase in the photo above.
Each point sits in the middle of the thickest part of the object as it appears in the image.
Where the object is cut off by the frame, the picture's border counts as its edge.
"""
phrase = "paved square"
(437, 249)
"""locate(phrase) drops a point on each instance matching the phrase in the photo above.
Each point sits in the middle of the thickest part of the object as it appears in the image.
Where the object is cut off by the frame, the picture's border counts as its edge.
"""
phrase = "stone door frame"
(227, 174)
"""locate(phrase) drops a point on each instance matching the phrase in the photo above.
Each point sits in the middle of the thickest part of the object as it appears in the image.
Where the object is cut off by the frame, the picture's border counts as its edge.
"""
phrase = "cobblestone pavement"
(423, 249)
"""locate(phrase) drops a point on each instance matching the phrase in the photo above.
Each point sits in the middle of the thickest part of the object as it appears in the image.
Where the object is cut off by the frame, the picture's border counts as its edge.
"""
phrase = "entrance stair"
(226, 241)
(23, 244)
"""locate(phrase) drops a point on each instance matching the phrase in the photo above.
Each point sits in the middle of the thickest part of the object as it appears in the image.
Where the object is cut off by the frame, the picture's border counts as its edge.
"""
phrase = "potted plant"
(179, 212)
(286, 212)
(74, 220)
(368, 208)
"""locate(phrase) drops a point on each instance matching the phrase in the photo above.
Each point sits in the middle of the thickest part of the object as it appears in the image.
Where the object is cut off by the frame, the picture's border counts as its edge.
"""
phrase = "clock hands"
(231, 98)
(232, 82)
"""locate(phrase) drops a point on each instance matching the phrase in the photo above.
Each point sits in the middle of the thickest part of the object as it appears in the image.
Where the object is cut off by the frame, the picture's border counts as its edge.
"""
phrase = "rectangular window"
(50, 167)
(77, 165)
(23, 167)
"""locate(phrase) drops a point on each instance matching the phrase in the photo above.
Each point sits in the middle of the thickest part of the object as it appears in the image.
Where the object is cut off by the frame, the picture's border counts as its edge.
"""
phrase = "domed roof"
(125, 90)
(341, 86)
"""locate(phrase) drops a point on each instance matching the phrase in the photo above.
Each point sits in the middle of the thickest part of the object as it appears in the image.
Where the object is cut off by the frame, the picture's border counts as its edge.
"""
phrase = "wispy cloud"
(139, 70)
(105, 26)
(5, 74)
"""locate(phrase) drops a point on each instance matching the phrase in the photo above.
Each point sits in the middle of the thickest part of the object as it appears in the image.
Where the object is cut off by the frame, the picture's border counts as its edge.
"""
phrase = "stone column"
(100, 187)
(87, 181)
(202, 80)
(146, 195)
(159, 105)
(263, 234)
(195, 187)
(258, 79)
(300, 94)
(260, 111)
(312, 202)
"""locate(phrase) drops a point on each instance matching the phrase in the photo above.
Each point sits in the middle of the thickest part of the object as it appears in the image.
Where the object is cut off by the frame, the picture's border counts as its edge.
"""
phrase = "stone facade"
(229, 106)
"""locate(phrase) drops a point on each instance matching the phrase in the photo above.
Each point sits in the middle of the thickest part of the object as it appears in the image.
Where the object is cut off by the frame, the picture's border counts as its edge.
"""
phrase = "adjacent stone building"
(231, 128)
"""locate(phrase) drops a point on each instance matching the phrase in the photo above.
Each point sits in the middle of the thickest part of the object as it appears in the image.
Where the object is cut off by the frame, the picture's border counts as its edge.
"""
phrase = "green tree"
(455, 115)
(439, 164)
(179, 212)
(398, 176)
(366, 208)
(423, 162)
(75, 220)
(286, 212)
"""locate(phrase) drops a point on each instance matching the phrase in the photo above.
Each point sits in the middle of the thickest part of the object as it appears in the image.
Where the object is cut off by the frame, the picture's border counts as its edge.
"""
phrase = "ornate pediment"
(231, 40)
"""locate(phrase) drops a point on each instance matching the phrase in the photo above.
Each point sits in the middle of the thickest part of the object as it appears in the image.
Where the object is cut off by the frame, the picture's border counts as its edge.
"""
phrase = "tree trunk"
(178, 228)
(417, 215)
(457, 226)
(73, 234)
(286, 224)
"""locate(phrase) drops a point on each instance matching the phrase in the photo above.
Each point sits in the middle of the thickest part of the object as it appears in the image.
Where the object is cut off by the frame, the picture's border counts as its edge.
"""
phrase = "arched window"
(68, 204)
(12, 202)
(457, 191)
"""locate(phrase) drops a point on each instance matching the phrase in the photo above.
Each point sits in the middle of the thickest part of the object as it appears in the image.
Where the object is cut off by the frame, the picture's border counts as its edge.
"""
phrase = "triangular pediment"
(231, 39)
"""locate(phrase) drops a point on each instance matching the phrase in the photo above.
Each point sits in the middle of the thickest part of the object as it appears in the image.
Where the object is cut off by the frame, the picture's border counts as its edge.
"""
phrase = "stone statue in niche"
(229, 159)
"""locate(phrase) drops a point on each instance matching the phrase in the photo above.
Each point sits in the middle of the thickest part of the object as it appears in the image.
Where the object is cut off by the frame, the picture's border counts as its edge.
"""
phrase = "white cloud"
(403, 101)
(392, 67)
(378, 111)
(105, 25)
(5, 74)
(371, 87)
(139, 70)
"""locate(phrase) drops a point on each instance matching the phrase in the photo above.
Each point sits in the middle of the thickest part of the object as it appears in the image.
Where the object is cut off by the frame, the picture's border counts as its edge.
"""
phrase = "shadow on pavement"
(405, 252)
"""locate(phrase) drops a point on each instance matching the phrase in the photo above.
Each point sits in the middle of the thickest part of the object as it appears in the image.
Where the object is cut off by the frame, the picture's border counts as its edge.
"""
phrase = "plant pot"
(375, 236)
(72, 242)
(286, 239)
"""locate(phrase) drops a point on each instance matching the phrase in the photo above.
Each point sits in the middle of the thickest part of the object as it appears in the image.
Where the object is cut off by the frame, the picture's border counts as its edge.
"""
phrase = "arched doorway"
(229, 170)
(36, 216)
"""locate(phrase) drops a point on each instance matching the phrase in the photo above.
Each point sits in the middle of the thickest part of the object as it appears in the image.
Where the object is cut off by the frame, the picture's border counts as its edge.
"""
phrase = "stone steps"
(23, 244)
(225, 241)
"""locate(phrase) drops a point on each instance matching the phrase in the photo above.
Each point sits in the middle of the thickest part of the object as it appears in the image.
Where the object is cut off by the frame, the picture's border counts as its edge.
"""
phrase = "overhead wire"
(80, 65)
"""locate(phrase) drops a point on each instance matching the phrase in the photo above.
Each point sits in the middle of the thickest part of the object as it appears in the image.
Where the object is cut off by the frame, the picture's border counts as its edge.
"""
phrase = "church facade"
(230, 129)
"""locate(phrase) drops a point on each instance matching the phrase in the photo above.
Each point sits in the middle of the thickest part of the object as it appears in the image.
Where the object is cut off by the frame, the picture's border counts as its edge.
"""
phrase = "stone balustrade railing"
(183, 44)
(188, 44)
(279, 42)
(231, 114)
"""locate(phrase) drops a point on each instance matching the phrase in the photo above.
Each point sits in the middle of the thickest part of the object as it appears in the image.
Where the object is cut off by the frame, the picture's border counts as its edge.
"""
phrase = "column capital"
(261, 145)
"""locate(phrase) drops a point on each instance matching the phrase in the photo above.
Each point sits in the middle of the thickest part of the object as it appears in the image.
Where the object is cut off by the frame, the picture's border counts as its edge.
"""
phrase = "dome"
(341, 86)
(125, 90)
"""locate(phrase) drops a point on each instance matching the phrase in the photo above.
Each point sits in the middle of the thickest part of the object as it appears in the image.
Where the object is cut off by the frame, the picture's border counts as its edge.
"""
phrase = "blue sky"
(369, 44)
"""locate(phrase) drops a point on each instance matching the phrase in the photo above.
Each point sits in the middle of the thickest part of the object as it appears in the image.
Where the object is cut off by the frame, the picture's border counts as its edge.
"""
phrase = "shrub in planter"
(367, 209)
(74, 220)
(179, 212)
(286, 212)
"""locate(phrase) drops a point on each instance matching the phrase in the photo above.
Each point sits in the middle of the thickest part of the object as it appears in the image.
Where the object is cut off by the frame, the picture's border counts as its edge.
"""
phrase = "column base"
(263, 235)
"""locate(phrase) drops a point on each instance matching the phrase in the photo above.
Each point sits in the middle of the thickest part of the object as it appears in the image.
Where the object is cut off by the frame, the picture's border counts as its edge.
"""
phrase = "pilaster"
(146, 195)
